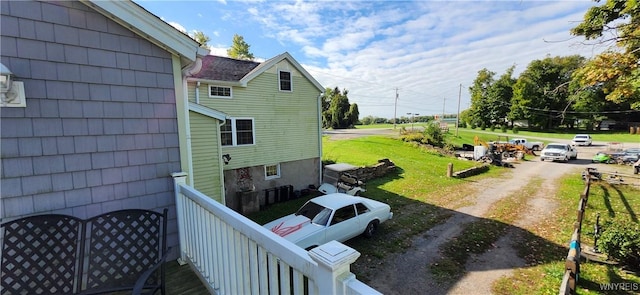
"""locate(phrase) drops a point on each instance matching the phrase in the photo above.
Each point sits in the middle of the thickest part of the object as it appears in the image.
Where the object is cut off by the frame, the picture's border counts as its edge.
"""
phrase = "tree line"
(569, 90)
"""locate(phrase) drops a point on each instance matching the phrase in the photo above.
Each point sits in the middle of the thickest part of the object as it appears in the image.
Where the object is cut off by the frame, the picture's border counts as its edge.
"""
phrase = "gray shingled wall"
(99, 132)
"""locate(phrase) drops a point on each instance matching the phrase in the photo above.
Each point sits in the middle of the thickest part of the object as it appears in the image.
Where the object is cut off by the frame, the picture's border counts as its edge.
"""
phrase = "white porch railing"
(234, 255)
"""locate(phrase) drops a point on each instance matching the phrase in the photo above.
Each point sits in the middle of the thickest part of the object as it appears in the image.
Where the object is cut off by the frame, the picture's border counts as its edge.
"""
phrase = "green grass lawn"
(421, 196)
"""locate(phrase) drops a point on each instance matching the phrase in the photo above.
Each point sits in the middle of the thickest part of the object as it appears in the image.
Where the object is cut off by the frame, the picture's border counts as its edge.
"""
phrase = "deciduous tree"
(618, 69)
(239, 48)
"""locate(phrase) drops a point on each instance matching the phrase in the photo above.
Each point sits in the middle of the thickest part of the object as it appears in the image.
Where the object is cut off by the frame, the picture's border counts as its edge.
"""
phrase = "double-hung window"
(219, 91)
(284, 78)
(237, 131)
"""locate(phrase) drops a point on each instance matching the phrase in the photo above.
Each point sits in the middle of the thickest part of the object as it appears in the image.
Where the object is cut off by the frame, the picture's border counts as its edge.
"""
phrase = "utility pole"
(395, 109)
(444, 99)
(458, 116)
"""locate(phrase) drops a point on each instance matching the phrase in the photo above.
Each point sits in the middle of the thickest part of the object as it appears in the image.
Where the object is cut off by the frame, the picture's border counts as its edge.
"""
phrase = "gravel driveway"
(408, 272)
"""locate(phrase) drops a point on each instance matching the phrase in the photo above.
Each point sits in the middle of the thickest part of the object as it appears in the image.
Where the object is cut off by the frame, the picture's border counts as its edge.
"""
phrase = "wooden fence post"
(450, 170)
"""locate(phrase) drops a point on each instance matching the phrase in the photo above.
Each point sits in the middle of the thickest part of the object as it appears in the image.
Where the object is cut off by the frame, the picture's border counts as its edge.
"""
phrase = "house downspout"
(223, 193)
(182, 108)
(320, 138)
(198, 92)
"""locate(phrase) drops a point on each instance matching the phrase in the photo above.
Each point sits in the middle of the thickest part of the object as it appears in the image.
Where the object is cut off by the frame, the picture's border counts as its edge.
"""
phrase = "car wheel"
(371, 229)
(566, 159)
(535, 148)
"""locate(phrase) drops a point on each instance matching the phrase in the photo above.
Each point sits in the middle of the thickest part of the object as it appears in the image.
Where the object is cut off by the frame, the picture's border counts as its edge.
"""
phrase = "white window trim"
(272, 176)
(290, 80)
(234, 132)
(217, 96)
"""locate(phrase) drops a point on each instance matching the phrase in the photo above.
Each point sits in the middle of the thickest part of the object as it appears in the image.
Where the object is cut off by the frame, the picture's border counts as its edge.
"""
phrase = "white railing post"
(180, 178)
(334, 261)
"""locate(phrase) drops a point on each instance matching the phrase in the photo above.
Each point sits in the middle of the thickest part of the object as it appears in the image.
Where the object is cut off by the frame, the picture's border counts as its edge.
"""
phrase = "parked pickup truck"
(532, 145)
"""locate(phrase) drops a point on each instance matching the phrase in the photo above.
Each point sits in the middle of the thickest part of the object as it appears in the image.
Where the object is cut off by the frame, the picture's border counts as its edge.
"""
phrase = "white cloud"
(178, 26)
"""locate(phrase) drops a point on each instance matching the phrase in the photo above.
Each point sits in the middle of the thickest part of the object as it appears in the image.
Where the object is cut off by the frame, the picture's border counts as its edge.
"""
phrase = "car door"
(344, 224)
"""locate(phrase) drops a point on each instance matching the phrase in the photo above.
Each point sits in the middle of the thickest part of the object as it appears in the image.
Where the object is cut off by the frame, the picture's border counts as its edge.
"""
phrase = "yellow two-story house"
(253, 126)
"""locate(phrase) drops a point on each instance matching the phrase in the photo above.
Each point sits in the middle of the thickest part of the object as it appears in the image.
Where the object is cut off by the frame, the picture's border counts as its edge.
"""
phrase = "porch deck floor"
(180, 279)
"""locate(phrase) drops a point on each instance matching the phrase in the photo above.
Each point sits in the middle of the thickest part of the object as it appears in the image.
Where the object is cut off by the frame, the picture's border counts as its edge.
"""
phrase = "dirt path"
(408, 273)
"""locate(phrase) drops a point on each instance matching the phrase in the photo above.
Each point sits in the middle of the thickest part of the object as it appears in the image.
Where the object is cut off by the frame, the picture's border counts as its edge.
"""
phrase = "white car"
(558, 152)
(582, 139)
(330, 217)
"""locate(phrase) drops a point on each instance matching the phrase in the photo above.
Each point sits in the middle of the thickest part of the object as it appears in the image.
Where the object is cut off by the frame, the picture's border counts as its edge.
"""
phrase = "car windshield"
(581, 137)
(556, 146)
(317, 213)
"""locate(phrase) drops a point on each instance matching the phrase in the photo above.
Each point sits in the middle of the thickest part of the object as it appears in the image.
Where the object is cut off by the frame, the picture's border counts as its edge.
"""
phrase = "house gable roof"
(240, 72)
(275, 60)
(144, 23)
(218, 68)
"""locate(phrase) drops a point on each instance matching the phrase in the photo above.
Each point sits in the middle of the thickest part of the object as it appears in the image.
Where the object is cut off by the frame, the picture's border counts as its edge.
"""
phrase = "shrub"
(413, 137)
(473, 126)
(515, 129)
(503, 128)
(620, 239)
(434, 135)
(483, 126)
(492, 128)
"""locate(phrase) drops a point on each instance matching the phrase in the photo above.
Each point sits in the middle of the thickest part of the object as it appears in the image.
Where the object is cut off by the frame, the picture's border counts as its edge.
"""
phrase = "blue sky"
(425, 49)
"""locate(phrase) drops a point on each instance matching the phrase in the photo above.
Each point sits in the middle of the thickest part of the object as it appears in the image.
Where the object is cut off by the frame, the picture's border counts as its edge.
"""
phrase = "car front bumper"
(553, 157)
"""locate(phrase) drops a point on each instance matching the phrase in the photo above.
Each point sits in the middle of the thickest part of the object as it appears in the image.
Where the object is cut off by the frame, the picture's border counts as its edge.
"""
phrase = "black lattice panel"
(123, 245)
(39, 254)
